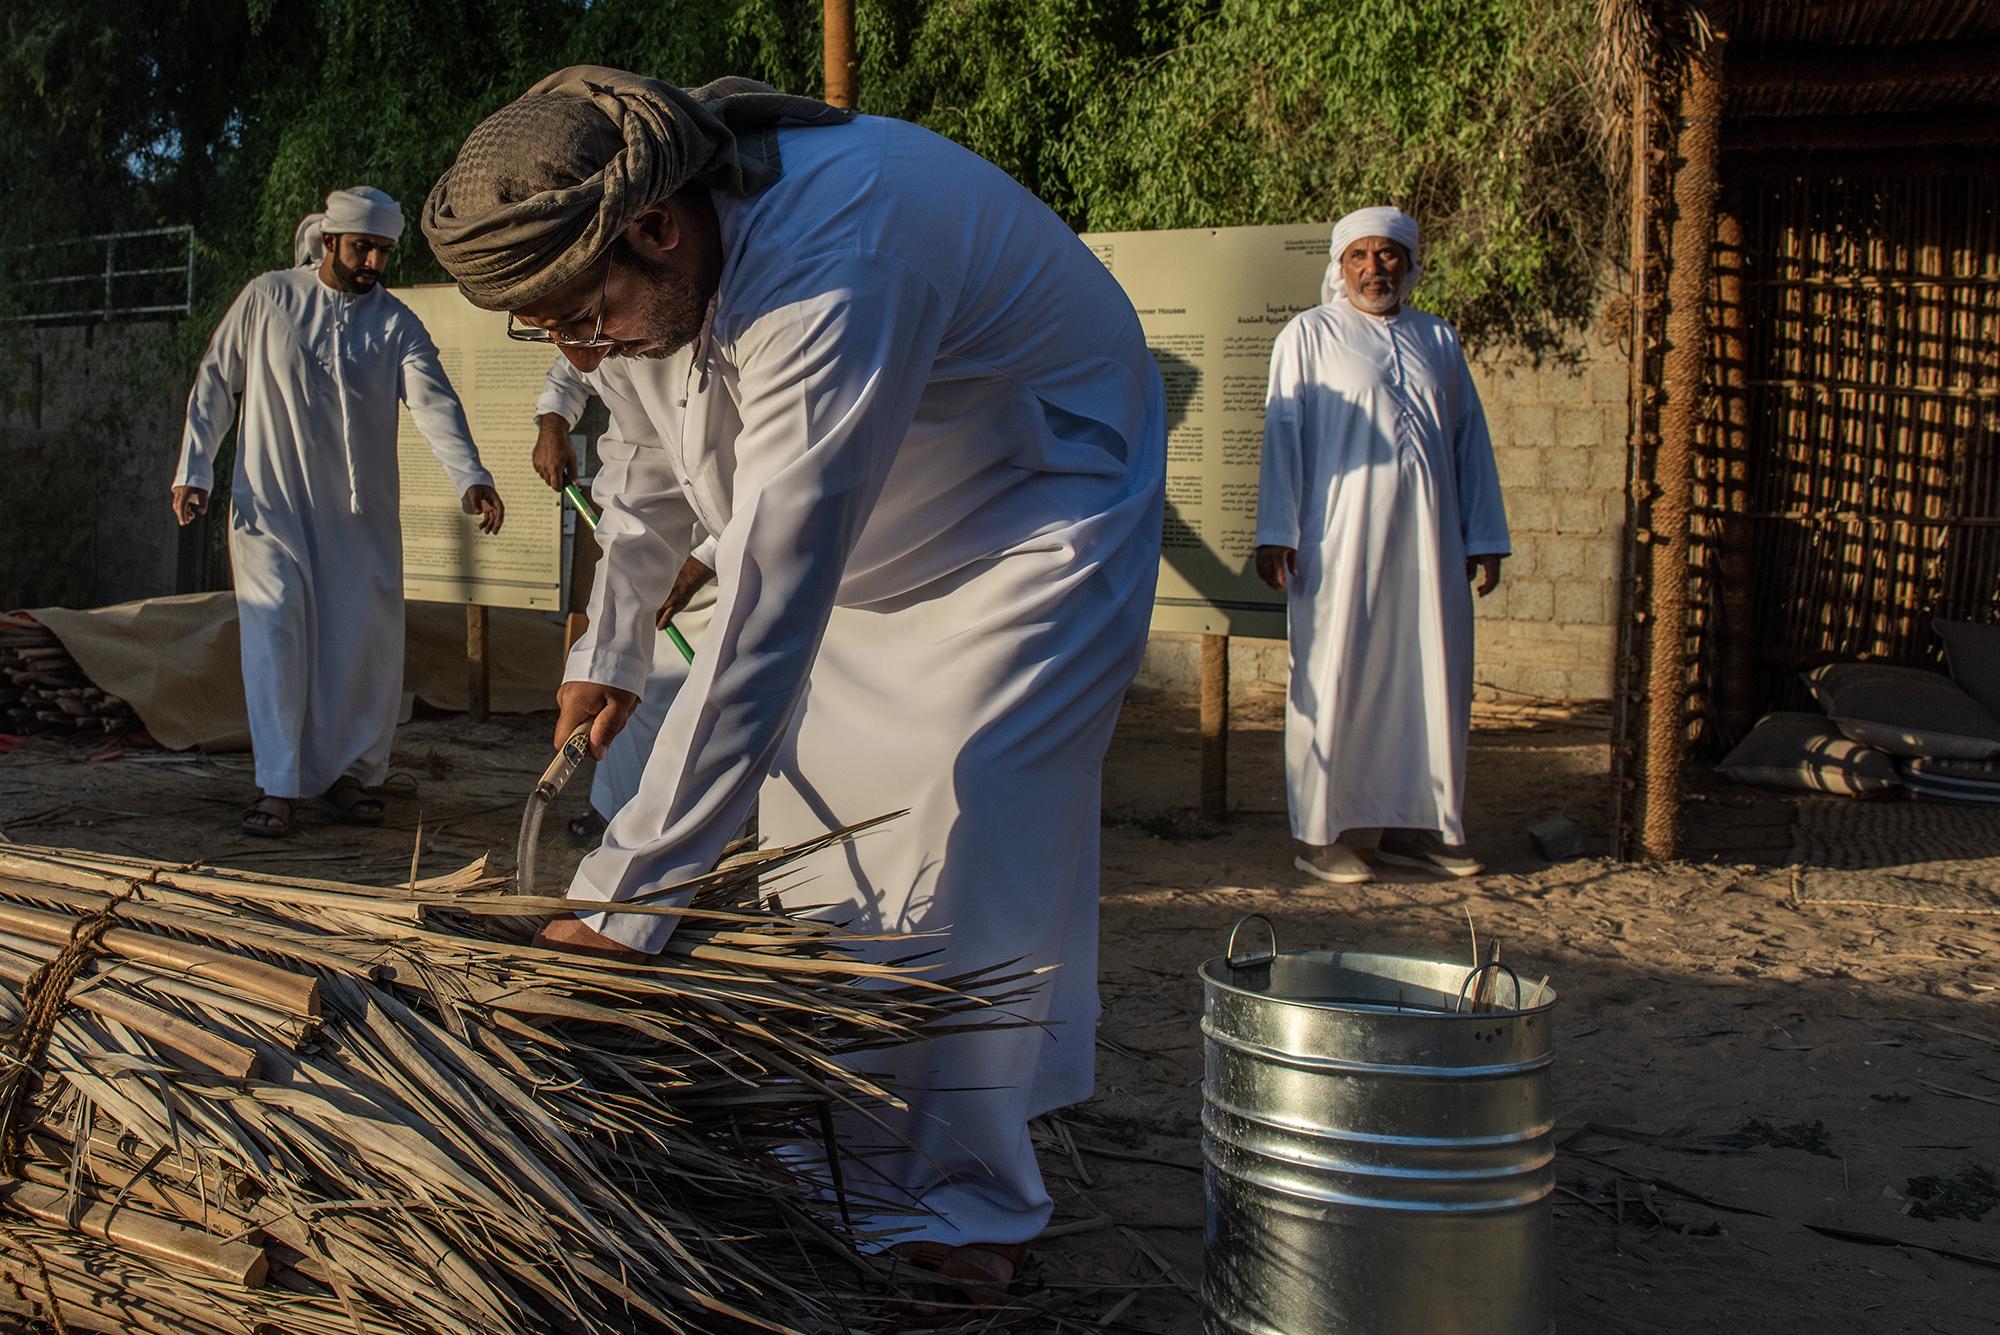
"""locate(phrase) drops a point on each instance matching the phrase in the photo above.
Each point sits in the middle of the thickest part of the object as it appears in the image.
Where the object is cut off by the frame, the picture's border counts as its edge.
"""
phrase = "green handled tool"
(582, 504)
(589, 516)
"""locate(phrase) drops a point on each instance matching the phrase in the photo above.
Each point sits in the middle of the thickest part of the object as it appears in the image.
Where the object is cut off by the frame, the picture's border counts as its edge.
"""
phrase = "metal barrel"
(1376, 1152)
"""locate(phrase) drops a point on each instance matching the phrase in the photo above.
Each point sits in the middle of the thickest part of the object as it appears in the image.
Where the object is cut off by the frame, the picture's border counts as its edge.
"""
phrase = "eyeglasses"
(530, 334)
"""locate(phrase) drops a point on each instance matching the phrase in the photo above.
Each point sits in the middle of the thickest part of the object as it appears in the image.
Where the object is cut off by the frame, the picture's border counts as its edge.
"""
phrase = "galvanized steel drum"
(1376, 1152)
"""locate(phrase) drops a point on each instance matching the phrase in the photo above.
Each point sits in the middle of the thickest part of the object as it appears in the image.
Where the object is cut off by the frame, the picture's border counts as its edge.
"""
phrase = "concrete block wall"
(1549, 631)
(90, 428)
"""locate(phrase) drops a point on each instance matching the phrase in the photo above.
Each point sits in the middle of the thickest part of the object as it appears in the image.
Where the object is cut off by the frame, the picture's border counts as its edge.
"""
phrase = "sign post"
(478, 667)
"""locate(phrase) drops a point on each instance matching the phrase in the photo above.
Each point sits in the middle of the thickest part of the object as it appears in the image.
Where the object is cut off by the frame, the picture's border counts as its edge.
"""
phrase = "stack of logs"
(43, 690)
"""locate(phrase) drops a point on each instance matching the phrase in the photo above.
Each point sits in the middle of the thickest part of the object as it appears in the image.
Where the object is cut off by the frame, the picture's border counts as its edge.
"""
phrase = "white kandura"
(1378, 469)
(315, 534)
(925, 427)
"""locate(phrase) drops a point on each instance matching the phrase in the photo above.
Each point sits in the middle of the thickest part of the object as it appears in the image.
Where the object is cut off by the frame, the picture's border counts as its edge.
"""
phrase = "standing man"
(922, 421)
(320, 358)
(1379, 502)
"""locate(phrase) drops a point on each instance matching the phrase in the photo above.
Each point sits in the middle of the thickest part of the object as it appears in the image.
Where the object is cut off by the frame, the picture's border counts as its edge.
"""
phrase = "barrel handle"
(1508, 969)
(1250, 961)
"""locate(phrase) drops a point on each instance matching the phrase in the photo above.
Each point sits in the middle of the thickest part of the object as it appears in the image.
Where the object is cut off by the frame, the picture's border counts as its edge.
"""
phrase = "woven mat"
(1924, 857)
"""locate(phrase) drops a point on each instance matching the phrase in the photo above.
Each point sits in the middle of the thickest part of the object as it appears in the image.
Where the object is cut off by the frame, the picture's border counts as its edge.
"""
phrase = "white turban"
(1383, 220)
(360, 209)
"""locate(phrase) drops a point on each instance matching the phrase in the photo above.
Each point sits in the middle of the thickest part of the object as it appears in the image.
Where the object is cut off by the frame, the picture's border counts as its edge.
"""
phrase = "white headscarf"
(1382, 220)
(361, 208)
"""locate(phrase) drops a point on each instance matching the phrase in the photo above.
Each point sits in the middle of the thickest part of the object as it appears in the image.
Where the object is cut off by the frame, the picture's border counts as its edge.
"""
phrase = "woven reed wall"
(1849, 478)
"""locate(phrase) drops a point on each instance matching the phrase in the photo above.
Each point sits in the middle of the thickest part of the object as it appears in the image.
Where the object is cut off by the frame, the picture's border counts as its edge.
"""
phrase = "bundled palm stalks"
(43, 690)
(238, 1103)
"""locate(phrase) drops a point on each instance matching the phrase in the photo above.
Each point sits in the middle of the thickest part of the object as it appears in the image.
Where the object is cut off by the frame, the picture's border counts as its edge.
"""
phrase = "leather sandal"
(268, 817)
(353, 803)
(957, 1278)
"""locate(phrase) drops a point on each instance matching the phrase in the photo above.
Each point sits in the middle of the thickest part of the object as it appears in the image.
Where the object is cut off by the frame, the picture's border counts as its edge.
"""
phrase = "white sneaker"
(1333, 863)
(1427, 852)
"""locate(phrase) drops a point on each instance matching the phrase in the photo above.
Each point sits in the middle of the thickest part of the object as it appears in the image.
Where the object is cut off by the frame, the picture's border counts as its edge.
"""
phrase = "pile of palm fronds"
(43, 690)
(240, 1103)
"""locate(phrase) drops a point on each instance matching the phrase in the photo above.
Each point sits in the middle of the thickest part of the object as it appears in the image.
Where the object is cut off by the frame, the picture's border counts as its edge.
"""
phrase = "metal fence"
(81, 278)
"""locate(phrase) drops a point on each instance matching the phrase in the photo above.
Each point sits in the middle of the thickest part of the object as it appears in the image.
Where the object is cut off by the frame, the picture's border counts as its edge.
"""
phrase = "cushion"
(1954, 780)
(1972, 652)
(1906, 711)
(1806, 752)
(1970, 771)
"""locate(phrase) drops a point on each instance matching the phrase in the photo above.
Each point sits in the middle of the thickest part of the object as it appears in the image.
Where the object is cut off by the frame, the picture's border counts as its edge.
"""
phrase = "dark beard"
(675, 311)
(349, 279)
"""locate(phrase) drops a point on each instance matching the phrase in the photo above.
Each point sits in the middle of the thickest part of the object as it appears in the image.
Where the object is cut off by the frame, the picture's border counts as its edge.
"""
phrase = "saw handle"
(573, 753)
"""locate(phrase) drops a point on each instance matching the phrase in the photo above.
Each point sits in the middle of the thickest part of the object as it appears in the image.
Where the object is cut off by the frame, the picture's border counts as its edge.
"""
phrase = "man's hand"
(483, 501)
(1277, 566)
(555, 457)
(1485, 569)
(189, 503)
(568, 933)
(693, 575)
(608, 706)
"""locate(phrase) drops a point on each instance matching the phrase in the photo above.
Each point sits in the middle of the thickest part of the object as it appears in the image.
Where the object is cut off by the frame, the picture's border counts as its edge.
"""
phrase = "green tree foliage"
(1474, 115)
(238, 115)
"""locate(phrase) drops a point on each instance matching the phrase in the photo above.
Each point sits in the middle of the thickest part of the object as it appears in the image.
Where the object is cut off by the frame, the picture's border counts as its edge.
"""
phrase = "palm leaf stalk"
(235, 1103)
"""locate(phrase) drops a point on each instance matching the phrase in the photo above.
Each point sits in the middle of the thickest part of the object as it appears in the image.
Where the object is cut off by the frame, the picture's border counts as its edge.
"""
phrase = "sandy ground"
(1698, 998)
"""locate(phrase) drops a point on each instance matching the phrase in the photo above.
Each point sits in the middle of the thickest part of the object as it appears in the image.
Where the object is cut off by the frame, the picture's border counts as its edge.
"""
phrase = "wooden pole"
(478, 668)
(1738, 685)
(1683, 374)
(841, 66)
(1625, 687)
(1215, 728)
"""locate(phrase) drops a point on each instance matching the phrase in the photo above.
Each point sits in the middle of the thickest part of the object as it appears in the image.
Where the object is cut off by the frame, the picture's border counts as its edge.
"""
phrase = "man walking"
(923, 424)
(1379, 500)
(320, 357)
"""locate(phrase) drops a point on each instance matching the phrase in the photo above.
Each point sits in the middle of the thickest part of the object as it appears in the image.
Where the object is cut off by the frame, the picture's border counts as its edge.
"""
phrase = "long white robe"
(1378, 469)
(315, 537)
(565, 392)
(925, 426)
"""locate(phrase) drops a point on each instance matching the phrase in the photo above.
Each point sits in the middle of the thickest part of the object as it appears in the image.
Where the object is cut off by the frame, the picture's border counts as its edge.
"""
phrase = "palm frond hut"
(1814, 460)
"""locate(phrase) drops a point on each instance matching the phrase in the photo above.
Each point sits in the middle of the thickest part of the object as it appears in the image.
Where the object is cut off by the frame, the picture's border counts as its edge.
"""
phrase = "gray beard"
(1381, 305)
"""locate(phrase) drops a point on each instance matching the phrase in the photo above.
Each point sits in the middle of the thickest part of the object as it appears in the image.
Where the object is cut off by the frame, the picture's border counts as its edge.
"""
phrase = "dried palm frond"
(242, 1103)
(1642, 44)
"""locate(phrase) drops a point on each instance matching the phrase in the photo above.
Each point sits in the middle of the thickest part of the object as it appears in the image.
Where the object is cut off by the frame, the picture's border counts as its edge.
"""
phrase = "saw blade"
(559, 772)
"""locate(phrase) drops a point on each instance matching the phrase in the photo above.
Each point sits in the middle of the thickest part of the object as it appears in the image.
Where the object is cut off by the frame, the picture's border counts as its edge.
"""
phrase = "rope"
(43, 998)
(15, 1240)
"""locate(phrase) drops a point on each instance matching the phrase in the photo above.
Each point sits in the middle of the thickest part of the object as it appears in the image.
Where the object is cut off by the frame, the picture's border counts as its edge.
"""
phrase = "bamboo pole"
(148, 1235)
(1625, 675)
(1683, 375)
(1736, 689)
(171, 1031)
(222, 1001)
(145, 1191)
(277, 987)
(96, 872)
(1966, 128)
